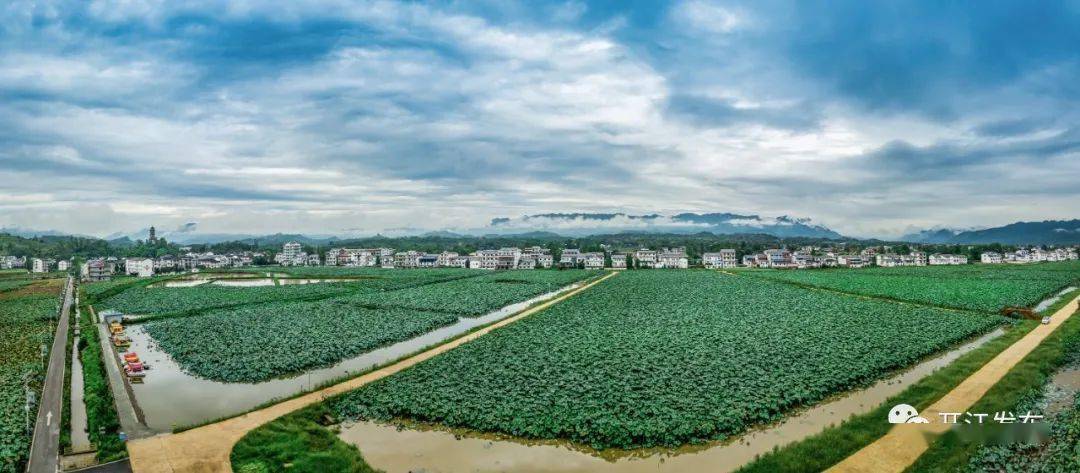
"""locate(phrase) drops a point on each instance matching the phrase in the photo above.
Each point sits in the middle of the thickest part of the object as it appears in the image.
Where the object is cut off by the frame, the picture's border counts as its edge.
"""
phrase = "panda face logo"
(905, 414)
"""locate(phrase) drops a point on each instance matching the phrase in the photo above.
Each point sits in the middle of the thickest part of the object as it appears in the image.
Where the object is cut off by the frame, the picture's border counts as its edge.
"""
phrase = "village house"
(98, 270)
(939, 259)
(594, 260)
(724, 258)
(645, 258)
(852, 261)
(141, 267)
(990, 257)
(618, 261)
(672, 258)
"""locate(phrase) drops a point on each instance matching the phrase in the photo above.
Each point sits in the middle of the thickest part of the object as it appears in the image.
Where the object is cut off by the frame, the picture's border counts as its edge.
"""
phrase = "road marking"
(48, 419)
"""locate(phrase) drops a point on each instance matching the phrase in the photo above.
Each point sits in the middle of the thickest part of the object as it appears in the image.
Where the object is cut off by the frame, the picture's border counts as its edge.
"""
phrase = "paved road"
(45, 446)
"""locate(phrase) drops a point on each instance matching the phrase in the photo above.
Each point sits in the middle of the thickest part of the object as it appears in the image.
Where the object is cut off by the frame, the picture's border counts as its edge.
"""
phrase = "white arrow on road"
(48, 419)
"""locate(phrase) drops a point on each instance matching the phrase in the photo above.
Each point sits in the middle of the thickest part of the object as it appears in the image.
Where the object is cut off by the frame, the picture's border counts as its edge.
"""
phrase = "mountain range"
(1049, 232)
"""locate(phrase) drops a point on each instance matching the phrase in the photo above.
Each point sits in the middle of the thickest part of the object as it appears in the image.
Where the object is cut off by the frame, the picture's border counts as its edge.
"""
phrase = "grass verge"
(298, 442)
(101, 418)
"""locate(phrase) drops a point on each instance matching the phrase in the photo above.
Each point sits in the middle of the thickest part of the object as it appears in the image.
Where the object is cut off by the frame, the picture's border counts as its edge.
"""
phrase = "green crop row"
(986, 288)
(145, 300)
(664, 358)
(477, 295)
(261, 342)
(24, 328)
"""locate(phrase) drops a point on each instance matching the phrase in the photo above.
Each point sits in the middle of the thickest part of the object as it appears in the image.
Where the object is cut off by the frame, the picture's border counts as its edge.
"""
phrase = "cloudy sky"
(872, 118)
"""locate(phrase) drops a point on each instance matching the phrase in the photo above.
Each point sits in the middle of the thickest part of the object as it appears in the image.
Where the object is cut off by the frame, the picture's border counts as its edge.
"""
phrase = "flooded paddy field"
(393, 448)
(171, 397)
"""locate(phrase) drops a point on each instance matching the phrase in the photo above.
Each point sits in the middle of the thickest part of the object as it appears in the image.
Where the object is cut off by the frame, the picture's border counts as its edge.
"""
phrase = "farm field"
(477, 295)
(664, 358)
(987, 288)
(261, 342)
(259, 333)
(24, 327)
(140, 299)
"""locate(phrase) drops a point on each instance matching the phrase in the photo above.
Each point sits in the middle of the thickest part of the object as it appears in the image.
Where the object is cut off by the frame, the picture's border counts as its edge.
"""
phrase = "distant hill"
(1049, 232)
(582, 224)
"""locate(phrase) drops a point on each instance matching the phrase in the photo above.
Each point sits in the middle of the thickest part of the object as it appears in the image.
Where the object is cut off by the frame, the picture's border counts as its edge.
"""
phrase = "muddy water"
(241, 282)
(1049, 302)
(1064, 386)
(387, 448)
(169, 397)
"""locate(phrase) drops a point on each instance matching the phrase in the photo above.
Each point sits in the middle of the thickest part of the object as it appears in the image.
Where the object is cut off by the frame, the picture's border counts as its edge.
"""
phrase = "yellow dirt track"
(899, 448)
(207, 448)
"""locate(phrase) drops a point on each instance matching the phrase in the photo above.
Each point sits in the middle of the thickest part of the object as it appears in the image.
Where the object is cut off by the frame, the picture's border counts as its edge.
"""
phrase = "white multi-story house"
(460, 261)
(852, 261)
(672, 258)
(38, 265)
(990, 257)
(618, 261)
(98, 270)
(503, 258)
(63, 265)
(805, 260)
(570, 257)
(293, 251)
(947, 259)
(712, 260)
(444, 259)
(779, 258)
(594, 260)
(725, 258)
(427, 260)
(526, 262)
(540, 255)
(12, 262)
(407, 259)
(141, 267)
(918, 258)
(645, 258)
(292, 254)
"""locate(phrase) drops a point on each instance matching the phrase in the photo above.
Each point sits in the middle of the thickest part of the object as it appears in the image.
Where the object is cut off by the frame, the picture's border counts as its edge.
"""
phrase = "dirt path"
(899, 449)
(207, 448)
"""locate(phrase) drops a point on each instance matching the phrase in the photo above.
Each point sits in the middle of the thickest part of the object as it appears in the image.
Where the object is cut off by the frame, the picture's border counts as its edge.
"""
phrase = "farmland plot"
(176, 300)
(477, 295)
(657, 358)
(171, 300)
(264, 341)
(975, 287)
(24, 328)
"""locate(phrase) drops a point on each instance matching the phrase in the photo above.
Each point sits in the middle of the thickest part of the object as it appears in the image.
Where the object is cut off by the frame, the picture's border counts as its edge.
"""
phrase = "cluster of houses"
(503, 258)
(809, 257)
(102, 269)
(12, 262)
(1032, 255)
(535, 257)
(36, 265)
(293, 254)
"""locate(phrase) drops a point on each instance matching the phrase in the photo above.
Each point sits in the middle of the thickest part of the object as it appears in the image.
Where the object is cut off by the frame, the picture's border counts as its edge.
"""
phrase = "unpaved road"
(207, 448)
(899, 448)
